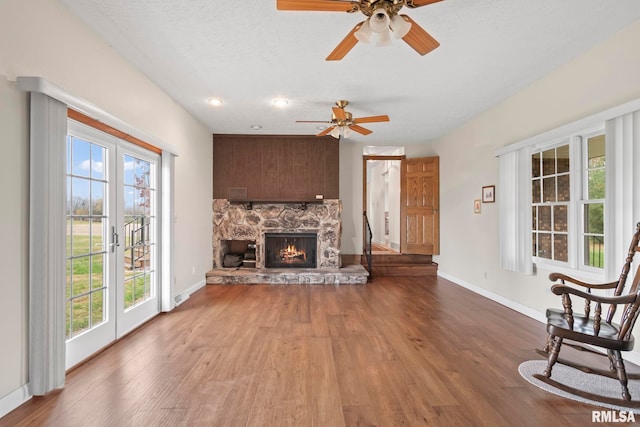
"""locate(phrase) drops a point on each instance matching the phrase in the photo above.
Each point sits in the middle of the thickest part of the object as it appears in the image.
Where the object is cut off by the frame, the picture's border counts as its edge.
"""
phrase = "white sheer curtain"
(622, 207)
(167, 223)
(515, 211)
(47, 244)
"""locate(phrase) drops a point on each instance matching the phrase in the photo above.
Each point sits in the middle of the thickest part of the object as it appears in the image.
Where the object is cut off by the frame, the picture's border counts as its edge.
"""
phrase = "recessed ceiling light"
(321, 127)
(255, 127)
(216, 102)
(280, 102)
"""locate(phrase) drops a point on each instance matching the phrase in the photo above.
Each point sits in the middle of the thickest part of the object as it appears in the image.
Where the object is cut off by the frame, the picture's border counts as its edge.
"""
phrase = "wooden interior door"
(420, 206)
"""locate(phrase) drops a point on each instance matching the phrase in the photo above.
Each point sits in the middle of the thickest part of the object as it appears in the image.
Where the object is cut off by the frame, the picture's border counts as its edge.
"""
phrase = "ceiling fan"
(342, 122)
(382, 19)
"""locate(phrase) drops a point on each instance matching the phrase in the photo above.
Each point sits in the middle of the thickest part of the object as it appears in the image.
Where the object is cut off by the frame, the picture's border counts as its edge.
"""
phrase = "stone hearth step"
(349, 275)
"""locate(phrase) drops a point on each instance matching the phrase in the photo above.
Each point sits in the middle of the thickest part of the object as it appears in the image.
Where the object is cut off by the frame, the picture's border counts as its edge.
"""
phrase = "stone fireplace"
(292, 221)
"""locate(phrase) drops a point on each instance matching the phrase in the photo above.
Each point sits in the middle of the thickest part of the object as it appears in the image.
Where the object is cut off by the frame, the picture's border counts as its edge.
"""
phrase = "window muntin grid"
(551, 194)
(86, 283)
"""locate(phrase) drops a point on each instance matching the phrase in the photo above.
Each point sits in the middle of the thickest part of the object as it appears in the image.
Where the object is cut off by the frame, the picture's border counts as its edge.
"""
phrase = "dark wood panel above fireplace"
(275, 167)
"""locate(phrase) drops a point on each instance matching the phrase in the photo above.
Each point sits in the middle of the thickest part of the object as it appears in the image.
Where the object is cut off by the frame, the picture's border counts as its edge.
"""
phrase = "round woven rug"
(597, 384)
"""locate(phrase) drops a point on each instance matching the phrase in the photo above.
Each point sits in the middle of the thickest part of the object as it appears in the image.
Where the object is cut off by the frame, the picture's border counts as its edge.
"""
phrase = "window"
(567, 202)
(604, 196)
(550, 195)
(593, 207)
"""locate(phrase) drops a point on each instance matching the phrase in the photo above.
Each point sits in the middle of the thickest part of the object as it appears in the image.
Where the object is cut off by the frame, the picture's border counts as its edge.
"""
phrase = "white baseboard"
(14, 399)
(522, 309)
(631, 356)
(182, 297)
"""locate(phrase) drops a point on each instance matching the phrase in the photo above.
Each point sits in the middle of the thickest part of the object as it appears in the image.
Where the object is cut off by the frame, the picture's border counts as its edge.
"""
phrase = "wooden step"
(402, 265)
(141, 258)
(401, 259)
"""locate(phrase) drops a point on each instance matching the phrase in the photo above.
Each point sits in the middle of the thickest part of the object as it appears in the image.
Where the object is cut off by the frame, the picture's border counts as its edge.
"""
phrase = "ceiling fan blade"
(326, 131)
(318, 5)
(418, 38)
(339, 113)
(345, 45)
(360, 129)
(419, 3)
(371, 119)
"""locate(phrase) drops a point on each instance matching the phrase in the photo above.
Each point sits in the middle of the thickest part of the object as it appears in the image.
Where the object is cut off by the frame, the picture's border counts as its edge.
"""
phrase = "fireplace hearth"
(290, 250)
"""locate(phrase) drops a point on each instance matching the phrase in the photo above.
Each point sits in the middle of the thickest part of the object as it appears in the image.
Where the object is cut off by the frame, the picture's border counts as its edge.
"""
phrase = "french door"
(112, 234)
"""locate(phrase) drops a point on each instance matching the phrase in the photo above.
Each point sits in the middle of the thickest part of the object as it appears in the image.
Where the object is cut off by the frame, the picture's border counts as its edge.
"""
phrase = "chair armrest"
(563, 289)
(559, 276)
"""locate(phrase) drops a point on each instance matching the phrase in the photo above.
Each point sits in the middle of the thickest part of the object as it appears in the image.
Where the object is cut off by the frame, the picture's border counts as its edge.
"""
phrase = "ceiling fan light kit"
(379, 21)
(364, 33)
(345, 131)
(399, 26)
(382, 18)
(384, 38)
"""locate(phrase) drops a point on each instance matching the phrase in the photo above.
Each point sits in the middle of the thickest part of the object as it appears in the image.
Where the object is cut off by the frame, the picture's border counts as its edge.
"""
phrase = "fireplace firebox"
(290, 250)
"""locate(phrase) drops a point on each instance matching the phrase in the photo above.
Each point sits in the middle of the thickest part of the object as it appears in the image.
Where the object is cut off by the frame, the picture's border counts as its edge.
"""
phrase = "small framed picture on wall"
(476, 206)
(489, 194)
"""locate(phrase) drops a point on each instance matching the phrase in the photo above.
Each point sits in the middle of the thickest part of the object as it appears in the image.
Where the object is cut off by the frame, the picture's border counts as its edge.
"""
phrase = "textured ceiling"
(248, 53)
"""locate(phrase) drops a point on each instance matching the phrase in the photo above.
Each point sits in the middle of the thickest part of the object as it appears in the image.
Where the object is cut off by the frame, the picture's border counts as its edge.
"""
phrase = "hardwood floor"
(398, 351)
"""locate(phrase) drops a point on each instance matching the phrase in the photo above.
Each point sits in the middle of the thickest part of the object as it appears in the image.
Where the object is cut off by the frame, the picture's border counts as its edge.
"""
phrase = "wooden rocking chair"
(593, 330)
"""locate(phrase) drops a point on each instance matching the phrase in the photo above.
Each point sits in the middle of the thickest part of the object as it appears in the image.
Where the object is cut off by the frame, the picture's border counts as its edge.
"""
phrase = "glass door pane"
(138, 299)
(86, 233)
(89, 322)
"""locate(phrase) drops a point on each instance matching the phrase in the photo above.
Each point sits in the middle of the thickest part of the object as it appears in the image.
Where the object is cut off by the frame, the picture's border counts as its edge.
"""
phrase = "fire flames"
(292, 254)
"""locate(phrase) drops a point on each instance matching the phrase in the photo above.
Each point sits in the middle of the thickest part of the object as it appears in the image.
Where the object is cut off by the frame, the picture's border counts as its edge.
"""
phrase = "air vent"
(238, 193)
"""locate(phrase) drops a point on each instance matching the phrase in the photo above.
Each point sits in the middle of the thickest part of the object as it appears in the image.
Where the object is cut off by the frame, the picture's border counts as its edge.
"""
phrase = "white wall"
(41, 38)
(351, 195)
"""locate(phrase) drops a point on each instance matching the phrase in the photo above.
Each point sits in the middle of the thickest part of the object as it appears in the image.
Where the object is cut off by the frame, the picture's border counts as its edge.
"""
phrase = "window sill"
(586, 276)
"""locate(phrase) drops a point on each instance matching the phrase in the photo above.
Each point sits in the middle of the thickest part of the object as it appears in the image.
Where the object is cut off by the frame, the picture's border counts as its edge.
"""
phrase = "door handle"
(115, 239)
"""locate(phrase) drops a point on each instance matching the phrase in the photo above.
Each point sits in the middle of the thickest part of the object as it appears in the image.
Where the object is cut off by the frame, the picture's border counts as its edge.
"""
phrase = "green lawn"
(84, 288)
(136, 288)
(85, 296)
(596, 255)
